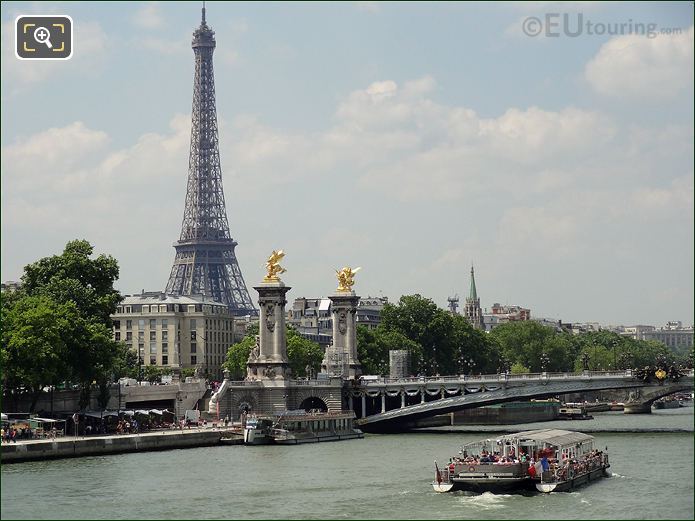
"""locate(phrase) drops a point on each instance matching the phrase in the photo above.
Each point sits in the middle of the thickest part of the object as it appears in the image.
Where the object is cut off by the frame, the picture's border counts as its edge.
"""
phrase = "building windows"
(193, 324)
(165, 360)
(165, 323)
(141, 336)
(153, 360)
(153, 323)
(117, 336)
(193, 336)
(194, 348)
(141, 324)
(165, 335)
(117, 324)
(194, 360)
(165, 347)
(153, 336)
(129, 324)
(141, 350)
(145, 309)
(129, 336)
(153, 348)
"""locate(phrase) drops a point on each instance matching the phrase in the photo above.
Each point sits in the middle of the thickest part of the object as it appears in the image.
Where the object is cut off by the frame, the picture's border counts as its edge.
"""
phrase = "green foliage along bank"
(57, 328)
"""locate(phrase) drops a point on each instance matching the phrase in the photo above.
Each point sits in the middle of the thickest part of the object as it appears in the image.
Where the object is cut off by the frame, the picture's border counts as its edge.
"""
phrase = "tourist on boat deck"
(544, 463)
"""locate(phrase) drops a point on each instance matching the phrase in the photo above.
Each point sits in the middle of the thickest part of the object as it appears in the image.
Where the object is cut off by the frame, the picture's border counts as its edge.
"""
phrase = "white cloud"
(149, 16)
(527, 184)
(368, 7)
(638, 67)
(164, 46)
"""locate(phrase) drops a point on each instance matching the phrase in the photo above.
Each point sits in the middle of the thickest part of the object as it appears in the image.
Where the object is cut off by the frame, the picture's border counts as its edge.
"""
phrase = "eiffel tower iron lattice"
(205, 262)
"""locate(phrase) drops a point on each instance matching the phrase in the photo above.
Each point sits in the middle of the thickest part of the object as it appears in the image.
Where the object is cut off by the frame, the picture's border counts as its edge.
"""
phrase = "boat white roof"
(554, 436)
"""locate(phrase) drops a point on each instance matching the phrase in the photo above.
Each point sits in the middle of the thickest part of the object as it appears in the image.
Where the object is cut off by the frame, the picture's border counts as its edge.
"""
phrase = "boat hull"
(317, 439)
(494, 485)
(571, 484)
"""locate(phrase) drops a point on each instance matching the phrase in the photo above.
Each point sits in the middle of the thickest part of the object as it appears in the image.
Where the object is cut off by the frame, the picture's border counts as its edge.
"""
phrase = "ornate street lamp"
(470, 364)
(585, 361)
(545, 360)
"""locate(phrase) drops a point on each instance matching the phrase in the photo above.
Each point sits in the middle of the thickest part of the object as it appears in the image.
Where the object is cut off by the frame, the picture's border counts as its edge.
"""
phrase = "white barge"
(294, 427)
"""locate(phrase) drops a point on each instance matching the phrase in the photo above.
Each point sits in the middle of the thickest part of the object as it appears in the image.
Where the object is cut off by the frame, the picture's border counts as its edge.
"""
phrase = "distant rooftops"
(158, 297)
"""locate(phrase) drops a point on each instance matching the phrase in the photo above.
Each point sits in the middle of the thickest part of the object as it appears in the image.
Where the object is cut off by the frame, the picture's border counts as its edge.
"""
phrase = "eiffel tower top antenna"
(203, 12)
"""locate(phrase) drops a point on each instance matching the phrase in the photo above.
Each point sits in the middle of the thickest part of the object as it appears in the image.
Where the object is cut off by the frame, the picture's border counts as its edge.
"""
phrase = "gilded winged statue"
(346, 278)
(273, 266)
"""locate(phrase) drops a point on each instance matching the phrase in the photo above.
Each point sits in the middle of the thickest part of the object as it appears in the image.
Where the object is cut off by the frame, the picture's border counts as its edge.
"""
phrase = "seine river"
(381, 476)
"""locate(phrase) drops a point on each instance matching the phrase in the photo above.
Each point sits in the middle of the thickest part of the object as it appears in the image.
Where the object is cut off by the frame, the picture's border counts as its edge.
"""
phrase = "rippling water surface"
(381, 476)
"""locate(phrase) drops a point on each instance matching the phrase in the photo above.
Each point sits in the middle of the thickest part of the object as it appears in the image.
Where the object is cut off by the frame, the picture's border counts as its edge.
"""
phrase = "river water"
(378, 477)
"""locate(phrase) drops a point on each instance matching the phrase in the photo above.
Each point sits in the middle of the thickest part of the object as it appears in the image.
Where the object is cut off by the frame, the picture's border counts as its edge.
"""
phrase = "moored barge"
(300, 426)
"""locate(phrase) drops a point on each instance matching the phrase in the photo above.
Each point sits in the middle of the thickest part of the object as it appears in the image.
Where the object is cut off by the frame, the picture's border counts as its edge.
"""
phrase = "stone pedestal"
(268, 360)
(344, 348)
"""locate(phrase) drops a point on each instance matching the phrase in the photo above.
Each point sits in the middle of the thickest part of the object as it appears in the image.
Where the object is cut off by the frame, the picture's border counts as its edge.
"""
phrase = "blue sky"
(408, 138)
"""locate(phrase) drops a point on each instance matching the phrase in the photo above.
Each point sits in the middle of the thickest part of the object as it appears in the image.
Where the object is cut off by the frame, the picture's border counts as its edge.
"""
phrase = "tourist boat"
(553, 461)
(300, 426)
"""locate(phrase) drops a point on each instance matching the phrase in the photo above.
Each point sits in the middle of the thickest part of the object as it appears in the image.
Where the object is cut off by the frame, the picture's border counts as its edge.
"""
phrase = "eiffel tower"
(205, 263)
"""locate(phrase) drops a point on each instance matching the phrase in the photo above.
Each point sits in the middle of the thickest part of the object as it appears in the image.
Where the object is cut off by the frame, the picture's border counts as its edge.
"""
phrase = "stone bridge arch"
(237, 402)
(641, 399)
(324, 398)
(489, 390)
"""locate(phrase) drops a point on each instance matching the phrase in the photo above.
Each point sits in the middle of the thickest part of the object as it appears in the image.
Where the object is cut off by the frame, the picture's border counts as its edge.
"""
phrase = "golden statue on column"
(273, 266)
(346, 279)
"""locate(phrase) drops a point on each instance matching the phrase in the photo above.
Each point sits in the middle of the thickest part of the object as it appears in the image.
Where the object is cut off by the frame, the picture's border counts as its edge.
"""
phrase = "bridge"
(390, 405)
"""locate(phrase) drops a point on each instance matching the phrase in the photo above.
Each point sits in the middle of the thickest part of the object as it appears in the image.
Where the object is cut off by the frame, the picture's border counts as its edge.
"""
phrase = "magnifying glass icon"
(42, 35)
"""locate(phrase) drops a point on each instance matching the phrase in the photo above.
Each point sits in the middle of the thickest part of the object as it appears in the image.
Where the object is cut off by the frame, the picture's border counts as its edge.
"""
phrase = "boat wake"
(485, 501)
(616, 475)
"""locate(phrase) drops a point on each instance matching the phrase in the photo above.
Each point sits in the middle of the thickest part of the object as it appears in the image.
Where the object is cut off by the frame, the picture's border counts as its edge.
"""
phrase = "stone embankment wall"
(177, 397)
(68, 447)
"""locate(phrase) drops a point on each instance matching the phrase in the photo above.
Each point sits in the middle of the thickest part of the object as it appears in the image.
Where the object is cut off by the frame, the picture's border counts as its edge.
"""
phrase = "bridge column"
(402, 399)
(422, 395)
(383, 400)
(364, 405)
(351, 405)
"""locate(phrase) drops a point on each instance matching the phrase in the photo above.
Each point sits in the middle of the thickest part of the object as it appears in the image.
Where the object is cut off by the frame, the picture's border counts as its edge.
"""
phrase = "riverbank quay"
(73, 447)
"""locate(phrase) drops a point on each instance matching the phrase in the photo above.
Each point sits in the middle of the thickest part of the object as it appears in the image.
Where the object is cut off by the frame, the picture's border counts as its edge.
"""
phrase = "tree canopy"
(57, 326)
(442, 343)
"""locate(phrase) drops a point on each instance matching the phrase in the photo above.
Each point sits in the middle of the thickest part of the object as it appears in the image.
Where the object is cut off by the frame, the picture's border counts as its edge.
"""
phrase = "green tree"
(445, 340)
(36, 338)
(74, 276)
(88, 353)
(237, 356)
(373, 346)
(518, 368)
(525, 342)
(302, 353)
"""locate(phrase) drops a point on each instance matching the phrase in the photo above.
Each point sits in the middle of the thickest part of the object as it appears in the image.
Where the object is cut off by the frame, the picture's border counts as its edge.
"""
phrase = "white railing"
(472, 380)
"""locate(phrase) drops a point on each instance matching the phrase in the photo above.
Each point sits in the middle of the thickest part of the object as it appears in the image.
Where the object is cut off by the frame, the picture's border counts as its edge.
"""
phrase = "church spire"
(474, 294)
